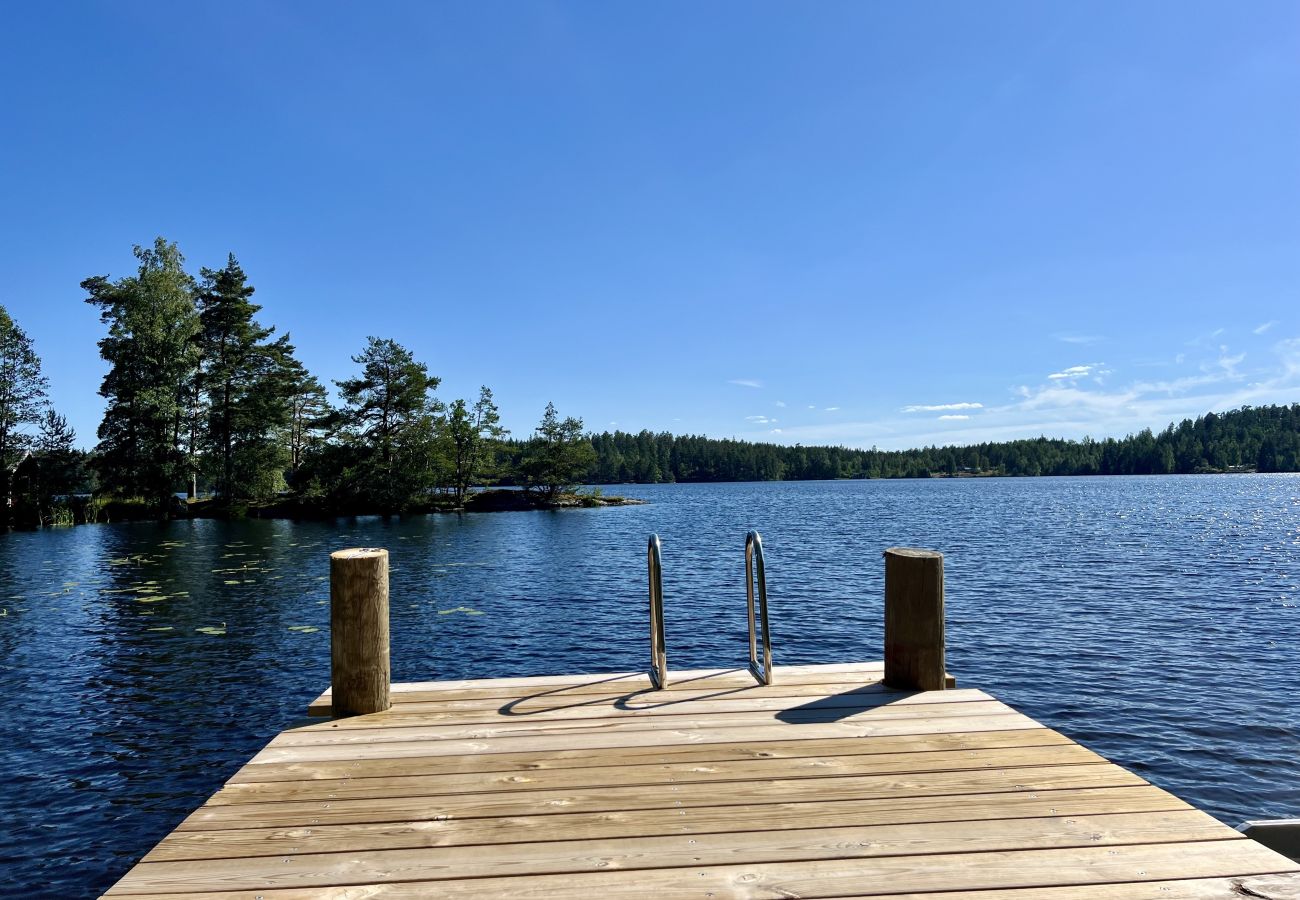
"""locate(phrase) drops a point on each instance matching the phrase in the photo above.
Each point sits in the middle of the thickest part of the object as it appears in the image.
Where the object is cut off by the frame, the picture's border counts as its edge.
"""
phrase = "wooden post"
(359, 662)
(914, 619)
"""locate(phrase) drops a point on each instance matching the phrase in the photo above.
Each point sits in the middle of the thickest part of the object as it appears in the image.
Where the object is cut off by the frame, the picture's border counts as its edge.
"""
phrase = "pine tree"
(309, 413)
(22, 403)
(53, 471)
(248, 382)
(389, 414)
(152, 323)
(558, 456)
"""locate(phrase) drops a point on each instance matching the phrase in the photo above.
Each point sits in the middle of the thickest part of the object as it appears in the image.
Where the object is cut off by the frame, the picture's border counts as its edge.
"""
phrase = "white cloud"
(746, 382)
(1079, 338)
(1075, 407)
(1073, 372)
(832, 409)
(810, 406)
(953, 418)
(1206, 340)
(1260, 329)
(942, 407)
(760, 420)
(781, 404)
(1229, 363)
(775, 431)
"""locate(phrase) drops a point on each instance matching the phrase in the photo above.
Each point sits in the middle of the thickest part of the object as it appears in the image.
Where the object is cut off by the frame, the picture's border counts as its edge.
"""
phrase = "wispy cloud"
(832, 409)
(775, 431)
(1216, 380)
(1229, 363)
(1205, 340)
(941, 407)
(746, 382)
(1079, 338)
(810, 406)
(1073, 372)
(1260, 329)
(781, 404)
(760, 420)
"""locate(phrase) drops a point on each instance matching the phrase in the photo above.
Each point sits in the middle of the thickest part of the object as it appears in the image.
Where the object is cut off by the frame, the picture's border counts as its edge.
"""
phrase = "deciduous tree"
(471, 435)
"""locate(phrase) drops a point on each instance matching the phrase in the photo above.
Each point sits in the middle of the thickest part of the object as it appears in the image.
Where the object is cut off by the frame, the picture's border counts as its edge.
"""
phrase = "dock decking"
(823, 784)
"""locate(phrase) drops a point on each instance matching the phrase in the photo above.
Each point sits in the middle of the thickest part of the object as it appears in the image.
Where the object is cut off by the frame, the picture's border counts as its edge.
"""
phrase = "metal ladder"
(755, 573)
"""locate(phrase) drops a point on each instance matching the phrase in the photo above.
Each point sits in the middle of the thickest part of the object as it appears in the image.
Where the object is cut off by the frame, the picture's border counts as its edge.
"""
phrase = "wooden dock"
(823, 784)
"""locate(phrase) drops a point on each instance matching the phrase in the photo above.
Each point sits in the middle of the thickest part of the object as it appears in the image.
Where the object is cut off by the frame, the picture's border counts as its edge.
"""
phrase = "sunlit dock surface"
(822, 784)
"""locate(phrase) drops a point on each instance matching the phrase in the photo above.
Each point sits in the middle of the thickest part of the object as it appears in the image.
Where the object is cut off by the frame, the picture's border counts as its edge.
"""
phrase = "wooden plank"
(622, 684)
(664, 754)
(754, 847)
(796, 685)
(790, 708)
(990, 871)
(737, 675)
(536, 704)
(374, 730)
(449, 832)
(1264, 887)
(753, 771)
(805, 686)
(724, 793)
(681, 734)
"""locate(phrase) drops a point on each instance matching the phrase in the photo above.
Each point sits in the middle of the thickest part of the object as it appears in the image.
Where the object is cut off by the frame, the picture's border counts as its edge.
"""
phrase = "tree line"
(1264, 439)
(203, 399)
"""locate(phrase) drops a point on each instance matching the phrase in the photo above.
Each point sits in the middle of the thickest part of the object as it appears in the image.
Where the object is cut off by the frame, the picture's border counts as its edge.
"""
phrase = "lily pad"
(212, 629)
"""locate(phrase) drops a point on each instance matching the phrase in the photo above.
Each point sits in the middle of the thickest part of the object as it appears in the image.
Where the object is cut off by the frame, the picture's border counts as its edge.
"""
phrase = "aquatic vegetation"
(216, 630)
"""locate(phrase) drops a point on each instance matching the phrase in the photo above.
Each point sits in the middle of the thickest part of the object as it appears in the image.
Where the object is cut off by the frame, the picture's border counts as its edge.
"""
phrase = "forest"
(1262, 439)
(209, 412)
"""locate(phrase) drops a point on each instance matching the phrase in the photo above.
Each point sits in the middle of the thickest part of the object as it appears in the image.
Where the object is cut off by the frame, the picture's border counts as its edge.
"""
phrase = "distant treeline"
(1264, 439)
(202, 399)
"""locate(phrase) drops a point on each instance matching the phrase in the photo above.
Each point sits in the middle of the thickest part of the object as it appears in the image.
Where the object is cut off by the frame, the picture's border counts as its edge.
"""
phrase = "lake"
(1155, 620)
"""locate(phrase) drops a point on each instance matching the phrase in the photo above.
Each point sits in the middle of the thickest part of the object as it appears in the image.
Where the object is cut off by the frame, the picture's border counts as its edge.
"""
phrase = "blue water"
(1156, 620)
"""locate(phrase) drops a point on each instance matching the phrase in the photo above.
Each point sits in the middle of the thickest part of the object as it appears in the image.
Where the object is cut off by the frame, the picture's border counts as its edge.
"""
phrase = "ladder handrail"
(658, 649)
(754, 559)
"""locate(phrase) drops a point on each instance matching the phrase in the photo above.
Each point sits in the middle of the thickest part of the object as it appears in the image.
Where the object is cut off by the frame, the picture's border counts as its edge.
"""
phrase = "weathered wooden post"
(914, 619)
(360, 671)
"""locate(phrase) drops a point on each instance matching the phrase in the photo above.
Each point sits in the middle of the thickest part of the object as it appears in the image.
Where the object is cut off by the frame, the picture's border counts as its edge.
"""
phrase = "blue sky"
(860, 223)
